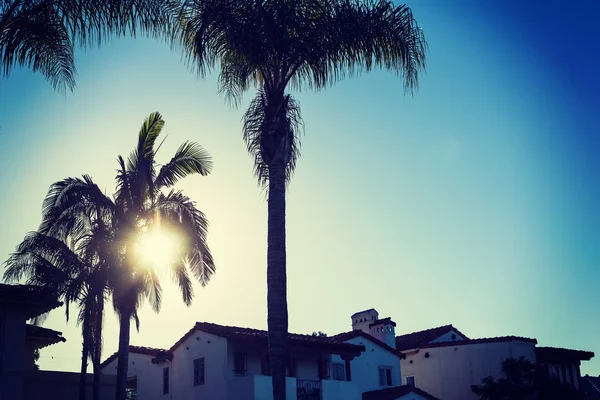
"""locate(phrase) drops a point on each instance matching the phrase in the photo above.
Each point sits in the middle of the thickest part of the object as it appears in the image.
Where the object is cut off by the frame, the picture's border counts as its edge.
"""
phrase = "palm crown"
(87, 246)
(273, 44)
(41, 34)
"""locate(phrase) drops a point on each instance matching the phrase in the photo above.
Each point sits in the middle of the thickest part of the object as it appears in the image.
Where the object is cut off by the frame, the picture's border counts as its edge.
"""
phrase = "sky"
(473, 203)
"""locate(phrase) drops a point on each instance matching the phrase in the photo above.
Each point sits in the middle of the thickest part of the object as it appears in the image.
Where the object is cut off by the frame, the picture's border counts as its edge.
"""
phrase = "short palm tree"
(41, 34)
(140, 204)
(50, 262)
(275, 45)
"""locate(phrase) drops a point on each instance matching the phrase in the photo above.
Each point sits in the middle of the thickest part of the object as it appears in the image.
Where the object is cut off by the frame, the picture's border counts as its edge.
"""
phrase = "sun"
(159, 248)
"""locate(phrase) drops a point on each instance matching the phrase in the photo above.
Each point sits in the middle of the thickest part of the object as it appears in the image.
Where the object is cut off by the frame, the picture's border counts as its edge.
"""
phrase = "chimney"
(384, 330)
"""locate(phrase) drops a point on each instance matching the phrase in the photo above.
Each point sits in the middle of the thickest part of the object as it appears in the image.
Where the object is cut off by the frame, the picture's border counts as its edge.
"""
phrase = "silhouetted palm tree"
(41, 34)
(139, 205)
(273, 45)
(52, 263)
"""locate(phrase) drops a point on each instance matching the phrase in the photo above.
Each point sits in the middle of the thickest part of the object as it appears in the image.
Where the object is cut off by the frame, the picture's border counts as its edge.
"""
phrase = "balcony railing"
(308, 390)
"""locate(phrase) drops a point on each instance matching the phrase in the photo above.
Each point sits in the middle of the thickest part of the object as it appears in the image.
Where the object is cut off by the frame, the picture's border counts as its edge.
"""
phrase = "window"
(385, 376)
(338, 370)
(131, 389)
(410, 381)
(165, 380)
(199, 371)
(239, 364)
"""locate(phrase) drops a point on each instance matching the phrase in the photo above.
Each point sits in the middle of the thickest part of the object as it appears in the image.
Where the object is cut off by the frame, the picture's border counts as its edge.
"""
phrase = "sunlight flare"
(159, 248)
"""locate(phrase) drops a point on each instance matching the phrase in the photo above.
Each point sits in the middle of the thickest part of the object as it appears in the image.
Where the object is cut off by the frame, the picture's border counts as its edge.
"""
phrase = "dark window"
(199, 371)
(131, 389)
(410, 381)
(385, 376)
(239, 364)
(338, 371)
(165, 380)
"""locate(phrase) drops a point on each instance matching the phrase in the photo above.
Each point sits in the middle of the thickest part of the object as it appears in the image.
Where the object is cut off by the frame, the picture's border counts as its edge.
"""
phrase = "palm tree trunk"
(84, 361)
(97, 354)
(276, 280)
(125, 325)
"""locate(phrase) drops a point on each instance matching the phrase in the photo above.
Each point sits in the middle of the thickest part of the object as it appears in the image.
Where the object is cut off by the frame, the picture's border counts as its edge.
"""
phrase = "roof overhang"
(40, 337)
(30, 300)
(548, 355)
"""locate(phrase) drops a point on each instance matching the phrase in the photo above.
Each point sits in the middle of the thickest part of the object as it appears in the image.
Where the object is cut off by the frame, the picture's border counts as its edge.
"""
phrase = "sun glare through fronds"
(158, 248)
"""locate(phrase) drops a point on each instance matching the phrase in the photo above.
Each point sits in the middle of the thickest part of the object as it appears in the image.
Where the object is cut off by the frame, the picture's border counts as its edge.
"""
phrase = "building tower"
(382, 329)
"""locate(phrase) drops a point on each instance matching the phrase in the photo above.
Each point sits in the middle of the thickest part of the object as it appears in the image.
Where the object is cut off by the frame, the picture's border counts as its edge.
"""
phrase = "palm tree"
(275, 45)
(41, 34)
(51, 263)
(139, 205)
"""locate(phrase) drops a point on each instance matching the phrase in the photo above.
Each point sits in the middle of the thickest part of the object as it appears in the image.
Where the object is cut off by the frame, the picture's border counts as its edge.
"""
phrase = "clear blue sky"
(474, 203)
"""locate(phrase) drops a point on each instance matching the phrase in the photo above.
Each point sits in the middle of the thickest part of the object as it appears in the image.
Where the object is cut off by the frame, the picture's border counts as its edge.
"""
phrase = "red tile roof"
(419, 339)
(43, 336)
(395, 392)
(358, 333)
(33, 300)
(382, 321)
(149, 351)
(498, 339)
(235, 332)
(555, 354)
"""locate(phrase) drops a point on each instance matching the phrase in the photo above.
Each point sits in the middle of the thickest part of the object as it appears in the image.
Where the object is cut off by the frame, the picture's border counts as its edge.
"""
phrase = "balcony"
(299, 389)
(308, 390)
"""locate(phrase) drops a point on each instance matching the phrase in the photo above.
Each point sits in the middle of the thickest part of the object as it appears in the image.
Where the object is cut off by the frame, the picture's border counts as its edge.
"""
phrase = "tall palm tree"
(275, 45)
(41, 34)
(139, 205)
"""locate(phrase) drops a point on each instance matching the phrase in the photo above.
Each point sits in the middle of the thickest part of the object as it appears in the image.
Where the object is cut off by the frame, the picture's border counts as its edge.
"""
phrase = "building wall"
(149, 376)
(307, 367)
(216, 372)
(340, 390)
(263, 388)
(365, 368)
(447, 337)
(12, 353)
(449, 371)
(50, 385)
(567, 373)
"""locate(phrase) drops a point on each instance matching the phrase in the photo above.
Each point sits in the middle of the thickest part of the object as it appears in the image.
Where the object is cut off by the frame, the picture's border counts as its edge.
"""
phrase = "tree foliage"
(523, 380)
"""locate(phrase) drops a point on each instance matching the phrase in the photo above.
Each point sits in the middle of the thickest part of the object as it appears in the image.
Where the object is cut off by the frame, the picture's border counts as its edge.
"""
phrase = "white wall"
(365, 368)
(307, 367)
(263, 388)
(214, 350)
(447, 337)
(340, 390)
(149, 376)
(450, 371)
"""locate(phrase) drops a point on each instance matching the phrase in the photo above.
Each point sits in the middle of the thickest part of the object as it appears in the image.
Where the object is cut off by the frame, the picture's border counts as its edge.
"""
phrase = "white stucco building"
(216, 362)
(446, 363)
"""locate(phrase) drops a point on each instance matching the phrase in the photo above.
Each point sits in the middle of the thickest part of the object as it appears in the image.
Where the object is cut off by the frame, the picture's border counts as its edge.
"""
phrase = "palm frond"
(182, 280)
(35, 37)
(177, 209)
(43, 258)
(72, 195)
(270, 128)
(189, 159)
